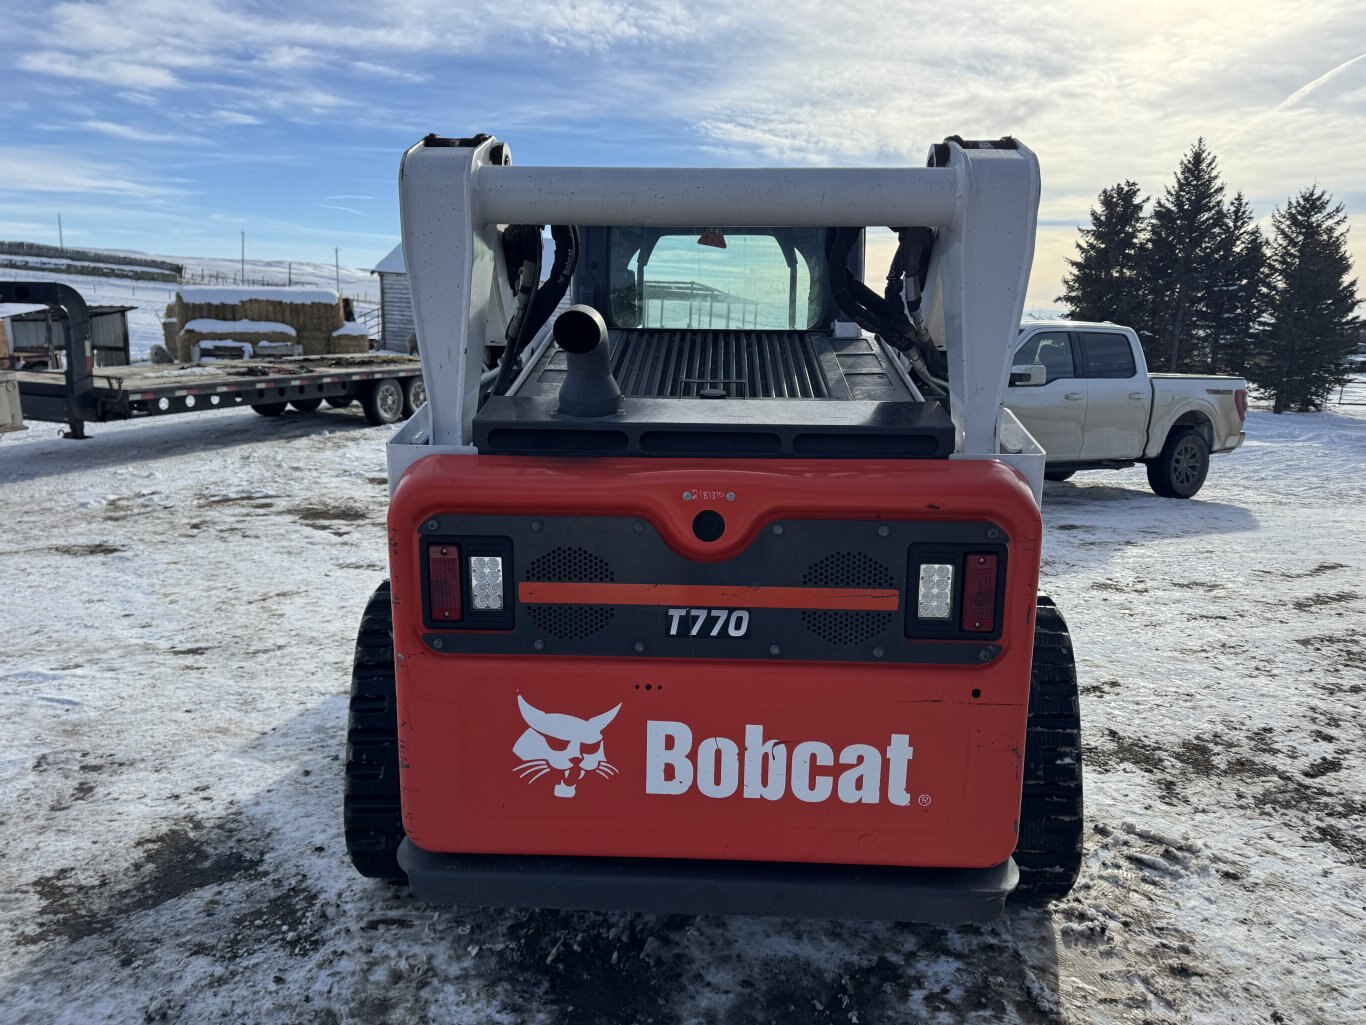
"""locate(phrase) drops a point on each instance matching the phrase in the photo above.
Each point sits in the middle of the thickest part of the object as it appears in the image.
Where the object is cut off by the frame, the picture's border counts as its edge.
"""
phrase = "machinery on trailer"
(721, 595)
(388, 387)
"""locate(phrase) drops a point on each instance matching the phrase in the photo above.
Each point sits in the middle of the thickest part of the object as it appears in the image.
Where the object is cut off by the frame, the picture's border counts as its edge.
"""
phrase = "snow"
(393, 263)
(150, 298)
(205, 325)
(235, 294)
(352, 327)
(183, 595)
(8, 310)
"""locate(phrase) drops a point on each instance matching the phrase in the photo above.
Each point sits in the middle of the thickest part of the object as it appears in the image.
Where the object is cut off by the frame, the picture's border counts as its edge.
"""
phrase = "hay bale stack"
(350, 338)
(313, 314)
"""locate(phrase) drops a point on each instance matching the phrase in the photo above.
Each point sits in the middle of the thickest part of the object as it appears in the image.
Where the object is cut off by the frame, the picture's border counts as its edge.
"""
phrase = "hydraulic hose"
(536, 302)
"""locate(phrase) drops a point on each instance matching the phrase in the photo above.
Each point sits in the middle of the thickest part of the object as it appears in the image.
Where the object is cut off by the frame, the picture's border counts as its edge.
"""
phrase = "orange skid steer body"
(650, 689)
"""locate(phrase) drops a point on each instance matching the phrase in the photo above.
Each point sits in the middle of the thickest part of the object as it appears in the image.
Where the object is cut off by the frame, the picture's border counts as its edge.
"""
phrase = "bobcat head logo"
(555, 742)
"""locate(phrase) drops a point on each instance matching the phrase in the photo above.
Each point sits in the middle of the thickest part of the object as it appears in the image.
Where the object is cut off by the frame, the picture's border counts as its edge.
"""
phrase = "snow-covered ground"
(150, 297)
(181, 596)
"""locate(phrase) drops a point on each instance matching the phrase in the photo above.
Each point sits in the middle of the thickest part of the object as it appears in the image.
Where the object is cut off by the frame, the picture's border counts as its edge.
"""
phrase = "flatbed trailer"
(388, 386)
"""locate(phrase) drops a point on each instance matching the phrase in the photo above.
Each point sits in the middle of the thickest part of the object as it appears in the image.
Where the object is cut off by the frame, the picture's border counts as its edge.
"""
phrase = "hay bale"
(349, 344)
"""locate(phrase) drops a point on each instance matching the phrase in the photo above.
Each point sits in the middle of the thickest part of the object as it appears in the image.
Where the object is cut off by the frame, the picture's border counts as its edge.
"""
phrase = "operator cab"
(725, 341)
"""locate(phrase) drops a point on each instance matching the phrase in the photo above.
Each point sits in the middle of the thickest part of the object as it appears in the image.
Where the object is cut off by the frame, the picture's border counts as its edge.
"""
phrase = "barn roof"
(391, 264)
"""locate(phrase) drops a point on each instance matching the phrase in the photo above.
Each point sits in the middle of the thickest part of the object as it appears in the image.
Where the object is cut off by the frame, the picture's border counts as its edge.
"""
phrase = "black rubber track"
(372, 816)
(1050, 846)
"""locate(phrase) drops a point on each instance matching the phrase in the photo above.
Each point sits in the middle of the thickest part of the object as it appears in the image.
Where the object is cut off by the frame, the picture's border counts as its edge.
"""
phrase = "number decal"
(708, 622)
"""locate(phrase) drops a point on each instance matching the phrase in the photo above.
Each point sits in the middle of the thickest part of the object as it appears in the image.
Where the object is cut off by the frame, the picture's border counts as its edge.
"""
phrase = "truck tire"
(306, 405)
(339, 401)
(1049, 850)
(372, 816)
(1057, 474)
(1180, 469)
(414, 395)
(383, 401)
(270, 408)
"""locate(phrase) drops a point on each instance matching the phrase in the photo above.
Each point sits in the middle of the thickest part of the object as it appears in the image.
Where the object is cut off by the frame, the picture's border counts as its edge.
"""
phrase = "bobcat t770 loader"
(717, 590)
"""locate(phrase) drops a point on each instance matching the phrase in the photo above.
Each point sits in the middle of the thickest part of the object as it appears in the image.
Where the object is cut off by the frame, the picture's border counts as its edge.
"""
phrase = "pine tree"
(1309, 330)
(1106, 280)
(1181, 240)
(1236, 295)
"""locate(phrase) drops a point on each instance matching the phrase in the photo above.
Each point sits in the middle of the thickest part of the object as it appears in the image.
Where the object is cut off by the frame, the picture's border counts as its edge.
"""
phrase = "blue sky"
(170, 126)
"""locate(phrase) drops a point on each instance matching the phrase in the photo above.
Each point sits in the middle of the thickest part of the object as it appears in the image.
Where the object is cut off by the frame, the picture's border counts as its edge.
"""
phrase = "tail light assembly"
(959, 592)
(1240, 401)
(467, 583)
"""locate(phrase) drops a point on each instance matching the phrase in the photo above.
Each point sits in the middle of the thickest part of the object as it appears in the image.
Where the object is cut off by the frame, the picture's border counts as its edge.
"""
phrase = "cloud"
(235, 117)
(33, 169)
(347, 196)
(95, 69)
(344, 209)
(128, 132)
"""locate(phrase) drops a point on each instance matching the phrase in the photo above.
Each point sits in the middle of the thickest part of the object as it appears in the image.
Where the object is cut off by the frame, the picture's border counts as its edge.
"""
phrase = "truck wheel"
(1179, 470)
(1050, 845)
(372, 816)
(270, 408)
(339, 401)
(414, 395)
(306, 405)
(383, 402)
(1057, 474)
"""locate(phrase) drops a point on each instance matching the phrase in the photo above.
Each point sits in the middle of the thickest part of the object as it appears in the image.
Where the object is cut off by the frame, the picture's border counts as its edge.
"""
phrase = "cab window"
(1053, 349)
(1107, 354)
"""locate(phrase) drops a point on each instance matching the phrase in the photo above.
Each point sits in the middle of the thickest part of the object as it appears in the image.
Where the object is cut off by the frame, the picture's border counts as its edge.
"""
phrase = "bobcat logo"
(562, 743)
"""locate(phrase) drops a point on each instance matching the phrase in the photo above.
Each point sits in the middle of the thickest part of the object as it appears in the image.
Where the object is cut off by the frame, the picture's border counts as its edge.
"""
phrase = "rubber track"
(372, 816)
(1050, 847)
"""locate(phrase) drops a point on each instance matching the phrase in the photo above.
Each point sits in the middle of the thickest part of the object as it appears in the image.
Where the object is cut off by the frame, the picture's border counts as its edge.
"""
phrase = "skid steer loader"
(717, 590)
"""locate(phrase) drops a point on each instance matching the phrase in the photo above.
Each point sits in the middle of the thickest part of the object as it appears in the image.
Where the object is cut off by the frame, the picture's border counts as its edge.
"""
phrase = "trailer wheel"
(372, 816)
(383, 402)
(339, 401)
(414, 395)
(1049, 851)
(1180, 469)
(306, 405)
(270, 408)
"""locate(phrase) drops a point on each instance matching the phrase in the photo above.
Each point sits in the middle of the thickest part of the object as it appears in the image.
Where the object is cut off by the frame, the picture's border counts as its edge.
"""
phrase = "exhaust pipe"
(589, 389)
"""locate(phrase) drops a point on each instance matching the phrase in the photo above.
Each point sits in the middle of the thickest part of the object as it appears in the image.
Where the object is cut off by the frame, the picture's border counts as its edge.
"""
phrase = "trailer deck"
(79, 392)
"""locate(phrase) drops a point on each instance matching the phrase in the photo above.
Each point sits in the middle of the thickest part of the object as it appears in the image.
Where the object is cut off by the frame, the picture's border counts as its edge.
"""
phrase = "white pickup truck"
(1084, 392)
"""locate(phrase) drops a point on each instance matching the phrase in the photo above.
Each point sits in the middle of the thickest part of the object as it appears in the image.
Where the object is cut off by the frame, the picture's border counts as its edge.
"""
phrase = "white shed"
(395, 302)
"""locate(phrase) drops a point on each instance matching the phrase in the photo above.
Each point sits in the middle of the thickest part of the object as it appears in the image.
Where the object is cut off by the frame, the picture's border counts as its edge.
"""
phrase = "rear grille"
(847, 569)
(570, 565)
(707, 364)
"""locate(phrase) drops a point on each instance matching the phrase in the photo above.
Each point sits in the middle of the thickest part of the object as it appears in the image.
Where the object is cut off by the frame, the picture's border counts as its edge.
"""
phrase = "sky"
(171, 127)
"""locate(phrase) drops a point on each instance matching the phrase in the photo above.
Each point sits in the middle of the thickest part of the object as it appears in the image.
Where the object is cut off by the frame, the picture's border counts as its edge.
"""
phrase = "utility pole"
(243, 276)
(290, 277)
(336, 262)
(61, 239)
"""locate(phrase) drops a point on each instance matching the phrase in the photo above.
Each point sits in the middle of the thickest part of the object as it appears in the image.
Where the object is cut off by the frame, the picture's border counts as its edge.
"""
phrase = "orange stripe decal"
(853, 599)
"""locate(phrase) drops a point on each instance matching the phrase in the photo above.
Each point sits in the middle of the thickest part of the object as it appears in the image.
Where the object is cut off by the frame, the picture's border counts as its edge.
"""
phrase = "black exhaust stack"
(589, 388)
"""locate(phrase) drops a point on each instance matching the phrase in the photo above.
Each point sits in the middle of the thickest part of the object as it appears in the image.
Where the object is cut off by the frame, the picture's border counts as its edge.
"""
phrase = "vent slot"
(707, 364)
(847, 569)
(571, 565)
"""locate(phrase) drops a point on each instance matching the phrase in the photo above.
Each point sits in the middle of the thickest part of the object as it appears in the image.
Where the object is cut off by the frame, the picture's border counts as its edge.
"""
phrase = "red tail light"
(979, 593)
(1240, 400)
(443, 583)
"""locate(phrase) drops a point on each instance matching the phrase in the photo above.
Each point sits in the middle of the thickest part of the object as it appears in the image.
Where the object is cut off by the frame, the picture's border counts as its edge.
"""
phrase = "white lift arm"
(454, 194)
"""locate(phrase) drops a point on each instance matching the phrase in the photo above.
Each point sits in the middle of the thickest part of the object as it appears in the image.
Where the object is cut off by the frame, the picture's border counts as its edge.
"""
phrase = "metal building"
(395, 303)
(37, 339)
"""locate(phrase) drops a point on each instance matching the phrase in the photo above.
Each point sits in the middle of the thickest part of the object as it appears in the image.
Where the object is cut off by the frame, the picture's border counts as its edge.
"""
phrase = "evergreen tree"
(1106, 280)
(1182, 237)
(1309, 329)
(1236, 291)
